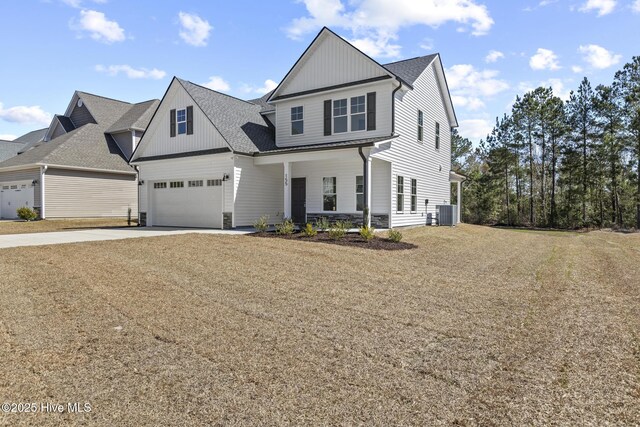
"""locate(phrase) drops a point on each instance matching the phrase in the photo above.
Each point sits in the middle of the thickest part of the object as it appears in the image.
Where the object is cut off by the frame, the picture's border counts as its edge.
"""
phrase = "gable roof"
(136, 118)
(410, 69)
(66, 123)
(88, 146)
(239, 122)
(9, 149)
(262, 102)
(31, 139)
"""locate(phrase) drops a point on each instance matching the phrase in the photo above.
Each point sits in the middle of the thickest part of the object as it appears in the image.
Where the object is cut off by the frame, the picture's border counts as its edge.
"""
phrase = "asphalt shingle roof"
(239, 122)
(262, 102)
(88, 146)
(410, 69)
(31, 139)
(9, 149)
(137, 117)
(331, 145)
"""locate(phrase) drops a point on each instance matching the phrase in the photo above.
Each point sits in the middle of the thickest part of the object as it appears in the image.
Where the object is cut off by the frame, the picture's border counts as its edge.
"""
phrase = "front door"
(299, 200)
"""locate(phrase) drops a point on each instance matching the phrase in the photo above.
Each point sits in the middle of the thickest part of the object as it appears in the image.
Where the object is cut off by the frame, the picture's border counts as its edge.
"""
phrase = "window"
(329, 198)
(176, 184)
(400, 194)
(159, 185)
(197, 183)
(14, 187)
(340, 116)
(420, 123)
(214, 182)
(414, 195)
(5, 187)
(437, 136)
(181, 119)
(359, 193)
(358, 116)
(297, 121)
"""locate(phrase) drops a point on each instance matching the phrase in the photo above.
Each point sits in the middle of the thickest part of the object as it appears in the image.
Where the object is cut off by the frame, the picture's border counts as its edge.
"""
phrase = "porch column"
(459, 183)
(367, 188)
(287, 189)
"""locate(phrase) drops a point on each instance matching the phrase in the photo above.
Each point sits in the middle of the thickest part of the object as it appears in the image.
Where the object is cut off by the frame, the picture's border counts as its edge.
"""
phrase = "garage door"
(14, 195)
(188, 203)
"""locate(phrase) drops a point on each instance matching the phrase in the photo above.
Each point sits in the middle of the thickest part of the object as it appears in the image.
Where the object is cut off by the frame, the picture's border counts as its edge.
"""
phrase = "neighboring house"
(340, 133)
(78, 166)
(8, 149)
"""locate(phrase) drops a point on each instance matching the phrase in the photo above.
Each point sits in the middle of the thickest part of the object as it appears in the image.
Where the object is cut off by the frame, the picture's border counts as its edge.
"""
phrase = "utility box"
(446, 215)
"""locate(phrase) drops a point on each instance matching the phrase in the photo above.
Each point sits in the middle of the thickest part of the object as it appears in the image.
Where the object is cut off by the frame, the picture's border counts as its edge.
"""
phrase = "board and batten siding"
(345, 170)
(24, 175)
(420, 160)
(84, 194)
(189, 168)
(259, 190)
(331, 61)
(313, 111)
(157, 139)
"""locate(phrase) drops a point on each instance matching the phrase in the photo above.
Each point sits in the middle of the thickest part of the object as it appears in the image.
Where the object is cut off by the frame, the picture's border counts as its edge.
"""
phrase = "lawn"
(22, 227)
(477, 326)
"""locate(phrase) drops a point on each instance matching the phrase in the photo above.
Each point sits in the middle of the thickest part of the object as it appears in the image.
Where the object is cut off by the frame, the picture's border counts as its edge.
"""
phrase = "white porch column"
(43, 170)
(459, 201)
(287, 189)
(368, 188)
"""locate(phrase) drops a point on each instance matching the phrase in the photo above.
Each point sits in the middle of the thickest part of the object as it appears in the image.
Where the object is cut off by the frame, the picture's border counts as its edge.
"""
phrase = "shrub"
(309, 231)
(26, 213)
(367, 233)
(262, 224)
(286, 227)
(322, 224)
(339, 229)
(395, 236)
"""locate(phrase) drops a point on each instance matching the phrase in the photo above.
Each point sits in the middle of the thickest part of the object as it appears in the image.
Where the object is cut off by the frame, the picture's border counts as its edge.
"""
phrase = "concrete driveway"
(98, 234)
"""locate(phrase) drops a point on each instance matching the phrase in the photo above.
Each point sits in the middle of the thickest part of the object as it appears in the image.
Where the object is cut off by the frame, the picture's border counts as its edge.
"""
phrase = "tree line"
(555, 163)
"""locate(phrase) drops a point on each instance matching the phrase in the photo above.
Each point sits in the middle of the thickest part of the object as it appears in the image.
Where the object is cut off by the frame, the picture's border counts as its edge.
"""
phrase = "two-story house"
(78, 166)
(341, 136)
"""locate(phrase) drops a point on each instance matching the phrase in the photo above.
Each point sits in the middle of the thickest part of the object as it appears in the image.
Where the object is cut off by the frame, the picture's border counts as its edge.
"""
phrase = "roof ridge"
(104, 97)
(215, 91)
(410, 59)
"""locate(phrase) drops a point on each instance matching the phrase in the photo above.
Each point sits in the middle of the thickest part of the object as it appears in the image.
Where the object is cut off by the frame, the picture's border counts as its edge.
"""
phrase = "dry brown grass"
(477, 326)
(22, 227)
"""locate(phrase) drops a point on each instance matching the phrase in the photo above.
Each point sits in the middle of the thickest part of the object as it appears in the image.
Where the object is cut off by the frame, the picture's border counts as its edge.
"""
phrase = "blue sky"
(492, 50)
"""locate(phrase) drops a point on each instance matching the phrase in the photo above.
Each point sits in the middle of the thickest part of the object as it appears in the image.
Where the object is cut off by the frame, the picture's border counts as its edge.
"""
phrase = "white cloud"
(428, 44)
(24, 114)
(130, 72)
(636, 6)
(559, 88)
(195, 30)
(7, 137)
(604, 7)
(599, 57)
(268, 86)
(464, 78)
(470, 103)
(99, 27)
(493, 56)
(374, 24)
(544, 59)
(217, 83)
(78, 3)
(576, 69)
(475, 129)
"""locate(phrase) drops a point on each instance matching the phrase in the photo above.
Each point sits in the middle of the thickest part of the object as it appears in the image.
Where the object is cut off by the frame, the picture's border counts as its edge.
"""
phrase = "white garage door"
(187, 203)
(14, 195)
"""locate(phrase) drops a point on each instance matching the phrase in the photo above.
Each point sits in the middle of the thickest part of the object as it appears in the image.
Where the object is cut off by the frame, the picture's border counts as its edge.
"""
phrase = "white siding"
(258, 191)
(314, 116)
(345, 170)
(420, 160)
(157, 140)
(330, 61)
(197, 167)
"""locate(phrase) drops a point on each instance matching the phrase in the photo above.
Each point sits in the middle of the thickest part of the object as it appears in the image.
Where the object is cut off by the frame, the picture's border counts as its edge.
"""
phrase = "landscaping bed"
(350, 239)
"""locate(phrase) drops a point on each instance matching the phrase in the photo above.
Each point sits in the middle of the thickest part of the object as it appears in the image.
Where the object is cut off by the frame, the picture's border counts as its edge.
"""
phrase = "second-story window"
(339, 116)
(297, 121)
(181, 119)
(420, 125)
(437, 136)
(358, 116)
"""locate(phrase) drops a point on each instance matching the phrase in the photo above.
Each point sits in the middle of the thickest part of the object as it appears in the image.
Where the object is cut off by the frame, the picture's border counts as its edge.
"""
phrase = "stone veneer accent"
(377, 220)
(227, 220)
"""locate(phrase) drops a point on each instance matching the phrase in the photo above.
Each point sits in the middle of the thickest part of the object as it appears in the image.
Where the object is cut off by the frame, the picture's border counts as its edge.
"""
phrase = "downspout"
(393, 106)
(137, 168)
(43, 170)
(365, 172)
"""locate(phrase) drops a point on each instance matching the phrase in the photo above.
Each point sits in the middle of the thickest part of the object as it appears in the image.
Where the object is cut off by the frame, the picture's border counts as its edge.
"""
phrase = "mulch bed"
(351, 239)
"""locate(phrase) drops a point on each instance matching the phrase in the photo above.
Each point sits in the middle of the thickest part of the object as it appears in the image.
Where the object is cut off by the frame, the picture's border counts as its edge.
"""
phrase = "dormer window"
(339, 116)
(181, 119)
(297, 121)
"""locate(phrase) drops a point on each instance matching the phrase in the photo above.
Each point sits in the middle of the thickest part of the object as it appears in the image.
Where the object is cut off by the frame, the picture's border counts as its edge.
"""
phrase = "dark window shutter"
(172, 120)
(327, 117)
(190, 120)
(371, 111)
